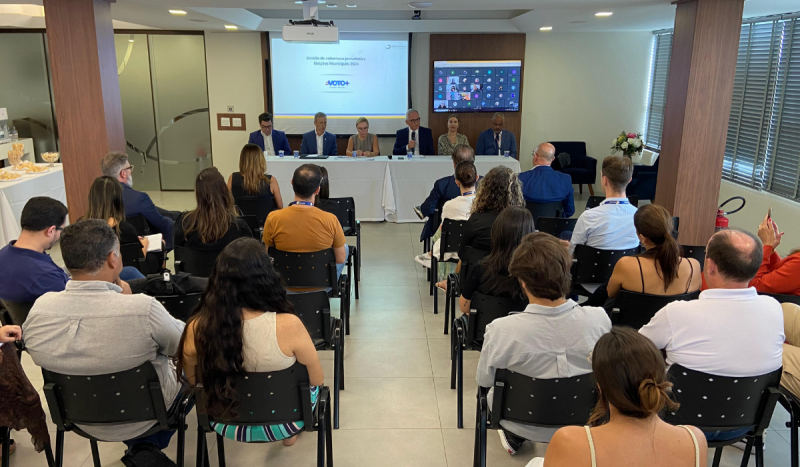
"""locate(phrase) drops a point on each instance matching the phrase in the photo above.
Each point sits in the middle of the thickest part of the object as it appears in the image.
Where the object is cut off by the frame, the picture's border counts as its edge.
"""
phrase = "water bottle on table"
(296, 154)
(507, 154)
(410, 154)
(280, 153)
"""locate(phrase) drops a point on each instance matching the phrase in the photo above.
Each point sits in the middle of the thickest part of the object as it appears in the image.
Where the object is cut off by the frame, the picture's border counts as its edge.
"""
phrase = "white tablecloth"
(382, 189)
(14, 195)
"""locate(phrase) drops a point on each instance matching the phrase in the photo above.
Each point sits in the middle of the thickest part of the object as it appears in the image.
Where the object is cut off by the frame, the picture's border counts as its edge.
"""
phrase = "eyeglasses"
(416, 120)
(59, 228)
(130, 167)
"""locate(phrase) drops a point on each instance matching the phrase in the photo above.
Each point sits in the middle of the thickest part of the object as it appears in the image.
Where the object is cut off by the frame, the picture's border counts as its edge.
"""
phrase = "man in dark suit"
(544, 185)
(496, 140)
(117, 166)
(444, 190)
(319, 141)
(414, 137)
(270, 141)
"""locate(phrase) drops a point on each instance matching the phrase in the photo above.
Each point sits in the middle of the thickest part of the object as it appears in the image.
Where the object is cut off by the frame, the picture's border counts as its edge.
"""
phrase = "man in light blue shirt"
(610, 225)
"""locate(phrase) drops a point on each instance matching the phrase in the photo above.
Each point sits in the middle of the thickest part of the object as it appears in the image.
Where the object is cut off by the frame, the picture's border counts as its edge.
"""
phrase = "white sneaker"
(424, 260)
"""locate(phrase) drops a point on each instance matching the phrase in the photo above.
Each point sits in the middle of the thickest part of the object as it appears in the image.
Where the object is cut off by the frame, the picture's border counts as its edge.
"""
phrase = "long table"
(14, 195)
(383, 189)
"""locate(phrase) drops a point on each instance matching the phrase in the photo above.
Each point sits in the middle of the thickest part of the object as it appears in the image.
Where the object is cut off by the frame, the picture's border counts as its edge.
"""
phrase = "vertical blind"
(762, 149)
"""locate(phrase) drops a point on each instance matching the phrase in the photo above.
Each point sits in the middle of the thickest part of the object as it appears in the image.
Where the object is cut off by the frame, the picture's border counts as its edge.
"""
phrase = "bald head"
(734, 255)
(544, 154)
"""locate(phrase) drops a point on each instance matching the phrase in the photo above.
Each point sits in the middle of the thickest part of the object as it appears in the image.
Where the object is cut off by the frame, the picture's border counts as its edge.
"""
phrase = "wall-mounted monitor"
(477, 86)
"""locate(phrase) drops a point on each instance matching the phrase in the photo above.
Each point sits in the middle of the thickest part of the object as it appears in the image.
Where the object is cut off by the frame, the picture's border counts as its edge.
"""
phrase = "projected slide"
(361, 76)
(476, 86)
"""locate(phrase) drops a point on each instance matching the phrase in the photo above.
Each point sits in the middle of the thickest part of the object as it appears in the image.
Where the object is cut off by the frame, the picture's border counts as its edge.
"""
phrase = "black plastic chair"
(436, 221)
(593, 266)
(695, 252)
(180, 307)
(636, 309)
(132, 255)
(472, 256)
(255, 227)
(468, 335)
(345, 210)
(314, 310)
(105, 400)
(676, 224)
(450, 242)
(17, 311)
(140, 224)
(258, 207)
(545, 403)
(196, 263)
(783, 298)
(271, 399)
(791, 403)
(538, 210)
(314, 271)
(595, 201)
(555, 226)
(723, 403)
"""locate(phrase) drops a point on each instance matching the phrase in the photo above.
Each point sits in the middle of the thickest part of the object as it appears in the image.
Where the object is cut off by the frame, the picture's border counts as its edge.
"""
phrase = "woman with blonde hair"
(251, 181)
(363, 144)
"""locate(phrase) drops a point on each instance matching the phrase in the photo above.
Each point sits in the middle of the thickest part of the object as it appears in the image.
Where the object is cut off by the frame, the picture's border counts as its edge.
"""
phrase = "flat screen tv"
(477, 86)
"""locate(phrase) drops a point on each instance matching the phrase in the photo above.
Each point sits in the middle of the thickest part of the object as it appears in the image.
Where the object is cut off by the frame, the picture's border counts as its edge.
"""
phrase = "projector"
(310, 33)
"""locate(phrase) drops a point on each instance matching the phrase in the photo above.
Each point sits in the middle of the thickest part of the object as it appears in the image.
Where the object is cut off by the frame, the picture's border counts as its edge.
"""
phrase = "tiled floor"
(398, 408)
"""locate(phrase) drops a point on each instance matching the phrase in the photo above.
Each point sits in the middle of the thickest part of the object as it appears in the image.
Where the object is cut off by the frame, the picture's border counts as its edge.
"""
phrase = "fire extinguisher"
(722, 221)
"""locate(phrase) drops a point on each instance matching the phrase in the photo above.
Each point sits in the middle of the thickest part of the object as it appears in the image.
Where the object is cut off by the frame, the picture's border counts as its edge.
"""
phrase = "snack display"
(50, 157)
(6, 176)
(15, 155)
(31, 168)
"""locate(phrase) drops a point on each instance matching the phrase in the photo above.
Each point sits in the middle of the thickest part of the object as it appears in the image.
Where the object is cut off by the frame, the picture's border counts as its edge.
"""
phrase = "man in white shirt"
(610, 225)
(730, 330)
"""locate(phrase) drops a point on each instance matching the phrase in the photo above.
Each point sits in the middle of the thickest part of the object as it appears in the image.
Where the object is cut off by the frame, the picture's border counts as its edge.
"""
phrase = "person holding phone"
(776, 275)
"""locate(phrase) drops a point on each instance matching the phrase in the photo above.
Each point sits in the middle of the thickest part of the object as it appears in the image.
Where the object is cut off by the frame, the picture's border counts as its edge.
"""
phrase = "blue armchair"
(643, 184)
(582, 168)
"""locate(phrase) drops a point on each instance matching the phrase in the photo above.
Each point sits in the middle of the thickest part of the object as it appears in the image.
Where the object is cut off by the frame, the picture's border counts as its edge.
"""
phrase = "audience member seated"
(27, 271)
(363, 144)
(303, 228)
(324, 188)
(544, 185)
(730, 330)
(117, 166)
(776, 275)
(270, 141)
(252, 182)
(552, 338)
(214, 223)
(790, 379)
(97, 327)
(451, 139)
(245, 323)
(443, 190)
(610, 225)
(496, 140)
(633, 390)
(414, 138)
(319, 141)
(491, 276)
(105, 203)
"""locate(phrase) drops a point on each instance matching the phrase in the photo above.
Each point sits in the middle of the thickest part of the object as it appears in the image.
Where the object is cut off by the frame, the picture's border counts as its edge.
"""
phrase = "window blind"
(659, 74)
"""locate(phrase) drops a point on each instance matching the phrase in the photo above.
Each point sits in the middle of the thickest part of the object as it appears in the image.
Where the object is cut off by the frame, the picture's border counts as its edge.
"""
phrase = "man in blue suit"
(444, 190)
(270, 141)
(496, 140)
(544, 185)
(414, 137)
(319, 141)
(117, 166)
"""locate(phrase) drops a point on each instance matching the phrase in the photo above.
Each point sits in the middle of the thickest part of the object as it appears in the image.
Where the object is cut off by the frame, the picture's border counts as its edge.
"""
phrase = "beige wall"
(233, 61)
(583, 87)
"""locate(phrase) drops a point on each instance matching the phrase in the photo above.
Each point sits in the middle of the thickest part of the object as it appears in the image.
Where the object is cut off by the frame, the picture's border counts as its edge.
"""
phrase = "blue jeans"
(726, 435)
(340, 267)
(130, 273)
(162, 438)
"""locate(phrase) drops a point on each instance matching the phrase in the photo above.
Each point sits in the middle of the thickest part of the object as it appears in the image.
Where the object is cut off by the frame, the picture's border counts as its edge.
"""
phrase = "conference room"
(445, 233)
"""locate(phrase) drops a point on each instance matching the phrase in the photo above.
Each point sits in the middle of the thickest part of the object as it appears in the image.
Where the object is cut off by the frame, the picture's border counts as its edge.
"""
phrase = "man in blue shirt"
(444, 190)
(544, 185)
(27, 271)
(496, 141)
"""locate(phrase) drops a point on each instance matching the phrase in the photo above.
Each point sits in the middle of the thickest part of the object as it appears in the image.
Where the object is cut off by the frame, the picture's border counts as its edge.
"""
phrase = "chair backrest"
(575, 149)
(267, 399)
(555, 226)
(696, 252)
(140, 224)
(259, 207)
(314, 310)
(315, 270)
(538, 210)
(719, 403)
(17, 311)
(452, 237)
(255, 227)
(593, 266)
(344, 209)
(123, 397)
(636, 309)
(595, 201)
(780, 297)
(196, 263)
(180, 306)
(542, 402)
(676, 224)
(483, 310)
(131, 254)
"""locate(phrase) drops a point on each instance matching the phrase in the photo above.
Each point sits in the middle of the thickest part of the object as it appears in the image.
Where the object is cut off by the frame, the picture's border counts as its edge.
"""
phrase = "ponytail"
(655, 396)
(655, 223)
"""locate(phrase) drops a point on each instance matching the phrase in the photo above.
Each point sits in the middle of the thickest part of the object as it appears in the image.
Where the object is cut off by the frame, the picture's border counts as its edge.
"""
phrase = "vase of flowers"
(629, 144)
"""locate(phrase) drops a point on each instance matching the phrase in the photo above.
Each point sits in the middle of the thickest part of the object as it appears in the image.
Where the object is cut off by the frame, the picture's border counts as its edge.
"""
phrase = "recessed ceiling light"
(332, 5)
(351, 6)
(177, 12)
(604, 13)
(546, 28)
(130, 40)
(420, 5)
(298, 2)
(322, 2)
(577, 22)
(231, 27)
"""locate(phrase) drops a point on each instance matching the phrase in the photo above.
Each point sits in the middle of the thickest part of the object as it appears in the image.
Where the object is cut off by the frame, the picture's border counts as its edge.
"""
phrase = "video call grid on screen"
(476, 86)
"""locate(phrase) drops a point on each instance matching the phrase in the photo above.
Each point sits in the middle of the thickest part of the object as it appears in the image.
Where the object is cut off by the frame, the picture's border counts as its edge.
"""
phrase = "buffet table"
(14, 194)
(27, 145)
(382, 189)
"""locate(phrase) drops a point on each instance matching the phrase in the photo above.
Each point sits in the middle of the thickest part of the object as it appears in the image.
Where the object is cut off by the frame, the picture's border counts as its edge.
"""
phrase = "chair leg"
(717, 457)
(794, 438)
(447, 306)
(453, 343)
(48, 452)
(460, 386)
(329, 438)
(433, 274)
(202, 453)
(759, 451)
(591, 190)
(321, 434)
(59, 448)
(181, 457)
(221, 450)
(580, 188)
(358, 266)
(483, 428)
(95, 453)
(337, 382)
(747, 450)
(6, 434)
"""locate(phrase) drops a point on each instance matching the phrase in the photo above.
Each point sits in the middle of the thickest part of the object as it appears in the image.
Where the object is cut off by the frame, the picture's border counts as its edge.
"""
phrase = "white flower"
(616, 141)
(637, 143)
(630, 140)
(624, 145)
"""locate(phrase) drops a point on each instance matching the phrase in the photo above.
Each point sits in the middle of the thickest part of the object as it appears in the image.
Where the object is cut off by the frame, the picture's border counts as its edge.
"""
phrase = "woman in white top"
(244, 323)
(625, 429)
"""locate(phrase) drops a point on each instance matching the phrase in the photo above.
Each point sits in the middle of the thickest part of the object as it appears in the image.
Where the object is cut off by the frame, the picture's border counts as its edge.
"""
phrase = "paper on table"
(155, 242)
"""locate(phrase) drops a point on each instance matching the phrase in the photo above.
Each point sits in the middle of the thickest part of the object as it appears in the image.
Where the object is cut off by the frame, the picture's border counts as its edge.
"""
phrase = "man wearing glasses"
(270, 141)
(116, 165)
(414, 138)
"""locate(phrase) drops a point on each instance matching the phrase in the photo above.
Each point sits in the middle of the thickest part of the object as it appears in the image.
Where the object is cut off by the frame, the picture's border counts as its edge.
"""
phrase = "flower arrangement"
(629, 144)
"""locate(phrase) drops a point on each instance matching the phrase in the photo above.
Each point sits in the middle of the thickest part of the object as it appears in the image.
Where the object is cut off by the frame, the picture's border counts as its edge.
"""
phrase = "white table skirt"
(382, 189)
(14, 195)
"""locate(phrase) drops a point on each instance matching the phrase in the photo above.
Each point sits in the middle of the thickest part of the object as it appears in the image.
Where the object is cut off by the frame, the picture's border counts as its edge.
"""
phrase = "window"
(762, 149)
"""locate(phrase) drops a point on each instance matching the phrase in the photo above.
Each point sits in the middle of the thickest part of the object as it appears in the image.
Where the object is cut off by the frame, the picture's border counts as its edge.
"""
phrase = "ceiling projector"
(310, 29)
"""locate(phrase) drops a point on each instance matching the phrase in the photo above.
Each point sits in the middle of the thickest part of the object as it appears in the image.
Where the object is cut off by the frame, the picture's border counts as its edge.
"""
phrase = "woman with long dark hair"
(244, 323)
(491, 276)
(214, 223)
(252, 181)
(324, 188)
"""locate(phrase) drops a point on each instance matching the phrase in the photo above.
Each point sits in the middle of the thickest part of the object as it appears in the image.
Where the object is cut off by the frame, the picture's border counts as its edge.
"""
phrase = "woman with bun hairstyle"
(625, 428)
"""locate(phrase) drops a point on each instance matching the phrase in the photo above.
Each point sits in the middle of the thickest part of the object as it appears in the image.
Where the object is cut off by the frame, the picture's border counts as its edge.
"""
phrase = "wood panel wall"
(476, 47)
